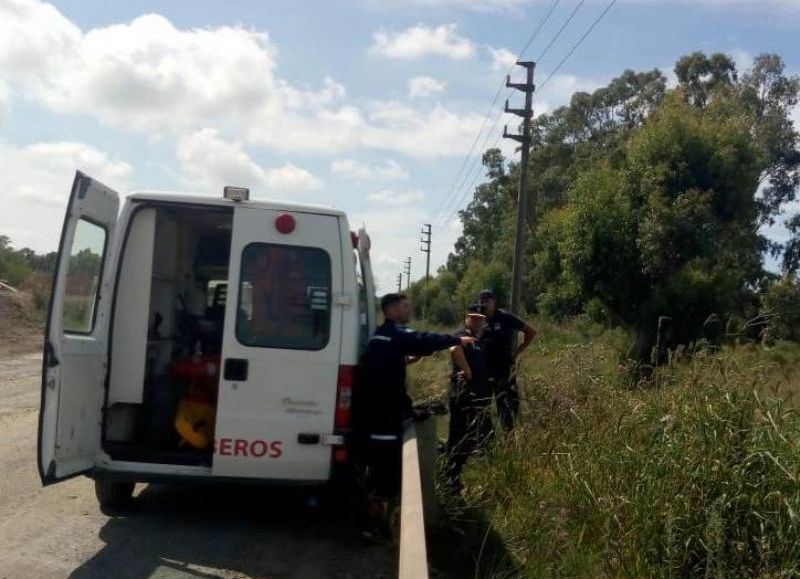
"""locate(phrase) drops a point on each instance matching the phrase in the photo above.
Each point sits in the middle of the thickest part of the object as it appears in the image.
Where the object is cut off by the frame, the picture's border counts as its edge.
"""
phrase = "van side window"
(84, 268)
(284, 297)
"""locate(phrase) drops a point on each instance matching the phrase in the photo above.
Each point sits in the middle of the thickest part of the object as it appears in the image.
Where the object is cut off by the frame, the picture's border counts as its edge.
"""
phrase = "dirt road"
(174, 532)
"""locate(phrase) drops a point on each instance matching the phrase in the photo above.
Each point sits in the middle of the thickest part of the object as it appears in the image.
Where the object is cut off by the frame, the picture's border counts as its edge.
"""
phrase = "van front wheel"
(114, 496)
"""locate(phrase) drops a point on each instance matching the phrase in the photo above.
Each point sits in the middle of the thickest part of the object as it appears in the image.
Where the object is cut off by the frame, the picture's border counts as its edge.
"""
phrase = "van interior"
(166, 334)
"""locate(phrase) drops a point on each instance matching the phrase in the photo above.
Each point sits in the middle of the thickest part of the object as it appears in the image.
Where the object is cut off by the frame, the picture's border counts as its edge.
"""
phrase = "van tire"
(115, 497)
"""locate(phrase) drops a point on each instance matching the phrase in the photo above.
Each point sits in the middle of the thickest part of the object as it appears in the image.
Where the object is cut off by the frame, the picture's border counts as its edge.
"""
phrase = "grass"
(697, 475)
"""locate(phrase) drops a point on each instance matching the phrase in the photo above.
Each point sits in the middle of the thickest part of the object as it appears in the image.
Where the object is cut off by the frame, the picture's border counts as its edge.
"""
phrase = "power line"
(453, 189)
(560, 30)
(547, 79)
(577, 44)
(445, 207)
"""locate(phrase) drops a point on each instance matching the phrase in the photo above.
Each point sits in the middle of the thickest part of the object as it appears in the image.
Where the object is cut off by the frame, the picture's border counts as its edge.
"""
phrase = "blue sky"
(369, 106)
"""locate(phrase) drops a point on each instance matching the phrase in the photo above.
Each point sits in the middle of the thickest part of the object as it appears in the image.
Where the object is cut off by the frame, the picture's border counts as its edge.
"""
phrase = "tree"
(781, 302)
(670, 231)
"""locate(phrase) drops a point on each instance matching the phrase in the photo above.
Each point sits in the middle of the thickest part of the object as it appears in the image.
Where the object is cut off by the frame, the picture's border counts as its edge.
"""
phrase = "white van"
(240, 321)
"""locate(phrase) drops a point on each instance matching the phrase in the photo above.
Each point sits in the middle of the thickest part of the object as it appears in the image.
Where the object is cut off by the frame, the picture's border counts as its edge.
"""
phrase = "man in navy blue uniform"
(470, 398)
(381, 402)
(500, 339)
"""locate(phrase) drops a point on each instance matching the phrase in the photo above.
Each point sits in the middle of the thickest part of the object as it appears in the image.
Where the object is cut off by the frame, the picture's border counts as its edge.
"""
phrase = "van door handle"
(235, 369)
(307, 438)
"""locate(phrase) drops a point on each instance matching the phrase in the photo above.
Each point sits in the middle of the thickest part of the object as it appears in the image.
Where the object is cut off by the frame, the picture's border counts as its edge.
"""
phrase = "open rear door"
(76, 339)
(364, 246)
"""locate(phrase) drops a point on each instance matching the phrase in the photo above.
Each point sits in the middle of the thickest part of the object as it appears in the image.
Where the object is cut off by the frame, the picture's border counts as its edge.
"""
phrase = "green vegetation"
(695, 475)
(646, 205)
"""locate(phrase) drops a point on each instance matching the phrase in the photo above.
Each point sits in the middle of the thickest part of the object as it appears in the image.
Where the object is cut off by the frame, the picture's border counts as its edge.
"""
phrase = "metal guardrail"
(417, 498)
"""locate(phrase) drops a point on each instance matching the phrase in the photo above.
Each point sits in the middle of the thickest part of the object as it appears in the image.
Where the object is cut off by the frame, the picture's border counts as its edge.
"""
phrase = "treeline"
(647, 205)
(17, 265)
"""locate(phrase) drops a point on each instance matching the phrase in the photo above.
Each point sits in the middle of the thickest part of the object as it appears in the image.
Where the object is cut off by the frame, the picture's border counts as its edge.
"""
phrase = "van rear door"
(281, 346)
(76, 339)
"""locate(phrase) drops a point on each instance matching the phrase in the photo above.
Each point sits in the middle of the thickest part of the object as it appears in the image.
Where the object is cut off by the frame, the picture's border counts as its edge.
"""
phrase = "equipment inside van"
(195, 337)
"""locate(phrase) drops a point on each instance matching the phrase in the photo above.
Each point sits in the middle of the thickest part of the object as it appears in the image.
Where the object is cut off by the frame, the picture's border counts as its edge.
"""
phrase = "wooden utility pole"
(426, 248)
(522, 193)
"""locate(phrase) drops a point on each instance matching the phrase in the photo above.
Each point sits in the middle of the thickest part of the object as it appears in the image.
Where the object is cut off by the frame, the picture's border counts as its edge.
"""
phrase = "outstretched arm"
(426, 343)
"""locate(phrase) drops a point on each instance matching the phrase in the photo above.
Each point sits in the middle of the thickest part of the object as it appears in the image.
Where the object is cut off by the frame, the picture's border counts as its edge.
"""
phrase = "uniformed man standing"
(382, 405)
(470, 398)
(500, 338)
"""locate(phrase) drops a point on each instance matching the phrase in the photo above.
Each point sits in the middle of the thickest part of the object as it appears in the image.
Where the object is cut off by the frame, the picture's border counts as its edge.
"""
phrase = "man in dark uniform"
(470, 396)
(500, 339)
(381, 403)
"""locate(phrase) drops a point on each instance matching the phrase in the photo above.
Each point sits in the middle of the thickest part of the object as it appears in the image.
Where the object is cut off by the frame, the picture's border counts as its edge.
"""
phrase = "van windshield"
(284, 297)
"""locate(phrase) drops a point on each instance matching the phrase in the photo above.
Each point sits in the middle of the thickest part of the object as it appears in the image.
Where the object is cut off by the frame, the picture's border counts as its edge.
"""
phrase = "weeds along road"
(174, 532)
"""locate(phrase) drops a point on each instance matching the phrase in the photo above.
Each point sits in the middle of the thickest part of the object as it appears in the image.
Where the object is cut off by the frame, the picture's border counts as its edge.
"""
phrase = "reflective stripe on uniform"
(383, 437)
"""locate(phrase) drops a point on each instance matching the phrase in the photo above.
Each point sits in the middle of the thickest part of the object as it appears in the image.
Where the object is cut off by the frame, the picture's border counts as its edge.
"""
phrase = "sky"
(368, 106)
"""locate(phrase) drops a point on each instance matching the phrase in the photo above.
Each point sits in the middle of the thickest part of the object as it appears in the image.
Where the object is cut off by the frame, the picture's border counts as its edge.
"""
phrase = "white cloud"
(149, 76)
(353, 169)
(208, 163)
(438, 131)
(502, 58)
(425, 86)
(389, 197)
(420, 41)
(35, 186)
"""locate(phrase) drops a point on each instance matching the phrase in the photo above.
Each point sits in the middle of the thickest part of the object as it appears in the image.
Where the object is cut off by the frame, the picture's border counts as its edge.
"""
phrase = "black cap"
(476, 309)
(486, 294)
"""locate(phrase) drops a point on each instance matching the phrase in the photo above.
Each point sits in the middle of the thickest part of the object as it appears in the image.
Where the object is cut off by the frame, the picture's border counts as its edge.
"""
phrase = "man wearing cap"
(470, 396)
(500, 340)
(381, 403)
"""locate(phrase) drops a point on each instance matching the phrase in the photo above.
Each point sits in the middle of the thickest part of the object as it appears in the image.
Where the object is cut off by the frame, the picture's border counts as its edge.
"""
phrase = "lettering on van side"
(239, 447)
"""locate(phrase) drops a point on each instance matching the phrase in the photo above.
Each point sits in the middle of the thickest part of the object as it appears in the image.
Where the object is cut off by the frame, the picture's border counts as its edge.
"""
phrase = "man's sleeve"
(413, 343)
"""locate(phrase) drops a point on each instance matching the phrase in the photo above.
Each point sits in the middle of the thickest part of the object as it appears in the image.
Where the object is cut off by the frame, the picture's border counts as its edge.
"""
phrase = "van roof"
(196, 199)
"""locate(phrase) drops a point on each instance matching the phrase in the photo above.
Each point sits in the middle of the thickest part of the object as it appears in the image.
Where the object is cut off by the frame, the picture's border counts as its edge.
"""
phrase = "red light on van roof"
(285, 223)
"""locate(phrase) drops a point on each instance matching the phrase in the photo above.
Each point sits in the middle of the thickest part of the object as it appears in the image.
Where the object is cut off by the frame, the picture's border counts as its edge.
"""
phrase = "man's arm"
(529, 335)
(414, 343)
(460, 360)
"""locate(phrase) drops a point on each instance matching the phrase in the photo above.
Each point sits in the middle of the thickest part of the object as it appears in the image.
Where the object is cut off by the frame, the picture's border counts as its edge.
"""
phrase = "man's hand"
(467, 341)
(464, 376)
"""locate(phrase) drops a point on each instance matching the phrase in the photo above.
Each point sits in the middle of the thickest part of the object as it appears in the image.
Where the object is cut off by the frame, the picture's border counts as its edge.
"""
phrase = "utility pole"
(522, 194)
(425, 240)
(399, 282)
(407, 271)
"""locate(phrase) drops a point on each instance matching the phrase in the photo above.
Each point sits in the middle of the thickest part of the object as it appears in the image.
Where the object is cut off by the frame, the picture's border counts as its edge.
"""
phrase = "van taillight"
(344, 395)
(344, 412)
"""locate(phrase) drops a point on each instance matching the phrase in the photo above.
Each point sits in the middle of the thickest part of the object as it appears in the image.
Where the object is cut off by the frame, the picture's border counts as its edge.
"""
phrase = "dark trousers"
(506, 395)
(470, 428)
(382, 461)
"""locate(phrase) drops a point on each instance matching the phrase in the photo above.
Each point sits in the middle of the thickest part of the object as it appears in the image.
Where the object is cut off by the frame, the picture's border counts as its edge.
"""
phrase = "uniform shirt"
(498, 338)
(478, 365)
(381, 402)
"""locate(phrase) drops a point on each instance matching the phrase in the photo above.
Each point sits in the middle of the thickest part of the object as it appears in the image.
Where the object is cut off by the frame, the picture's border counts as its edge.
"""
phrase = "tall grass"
(697, 475)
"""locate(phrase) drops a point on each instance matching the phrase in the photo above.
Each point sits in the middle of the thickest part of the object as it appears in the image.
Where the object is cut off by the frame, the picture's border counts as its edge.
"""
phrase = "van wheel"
(114, 497)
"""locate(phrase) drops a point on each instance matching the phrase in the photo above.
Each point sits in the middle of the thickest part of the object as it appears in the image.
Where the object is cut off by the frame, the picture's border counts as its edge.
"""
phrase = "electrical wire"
(541, 87)
(453, 188)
